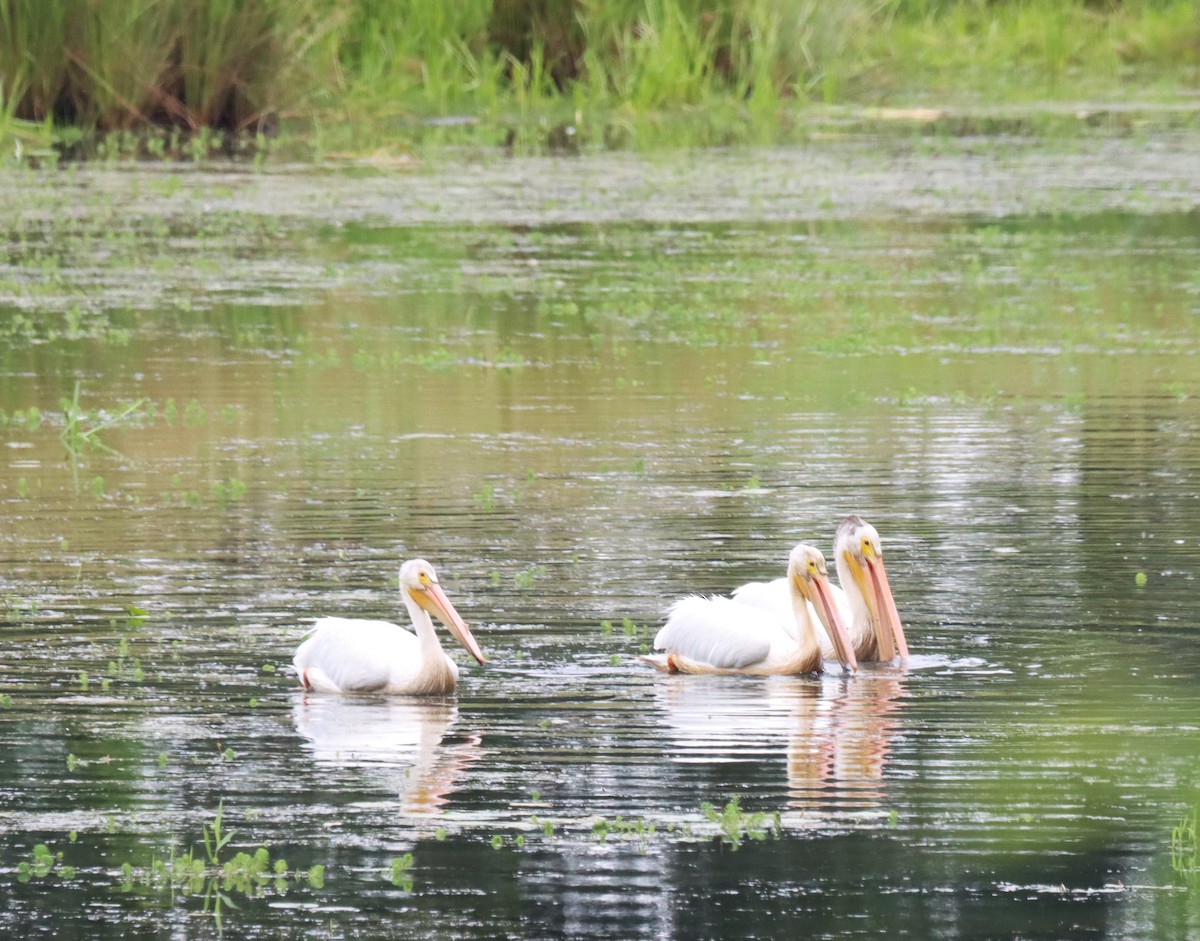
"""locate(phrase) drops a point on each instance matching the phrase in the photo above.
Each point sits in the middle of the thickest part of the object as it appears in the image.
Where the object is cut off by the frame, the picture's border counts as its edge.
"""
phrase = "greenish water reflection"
(579, 421)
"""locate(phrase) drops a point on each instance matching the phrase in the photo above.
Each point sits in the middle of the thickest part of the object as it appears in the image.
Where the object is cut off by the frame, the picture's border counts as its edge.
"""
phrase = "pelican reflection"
(396, 743)
(845, 746)
(834, 735)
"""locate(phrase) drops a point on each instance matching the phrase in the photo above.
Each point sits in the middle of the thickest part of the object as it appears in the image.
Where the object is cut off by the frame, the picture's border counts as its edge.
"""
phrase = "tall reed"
(193, 63)
(400, 51)
(33, 55)
(238, 64)
(118, 55)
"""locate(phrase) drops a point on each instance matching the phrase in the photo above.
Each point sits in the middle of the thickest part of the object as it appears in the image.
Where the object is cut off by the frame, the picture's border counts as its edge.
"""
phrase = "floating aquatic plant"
(41, 864)
(400, 872)
(82, 430)
(194, 414)
(30, 419)
(638, 831)
(436, 360)
(736, 825)
(15, 606)
(215, 874)
(228, 491)
(527, 576)
(485, 496)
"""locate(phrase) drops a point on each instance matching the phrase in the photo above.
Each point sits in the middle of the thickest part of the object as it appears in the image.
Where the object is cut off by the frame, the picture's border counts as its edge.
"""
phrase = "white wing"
(776, 596)
(773, 595)
(722, 633)
(350, 655)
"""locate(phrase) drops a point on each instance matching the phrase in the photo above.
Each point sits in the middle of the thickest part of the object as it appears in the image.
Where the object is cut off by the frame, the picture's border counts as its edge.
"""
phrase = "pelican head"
(810, 577)
(860, 555)
(419, 582)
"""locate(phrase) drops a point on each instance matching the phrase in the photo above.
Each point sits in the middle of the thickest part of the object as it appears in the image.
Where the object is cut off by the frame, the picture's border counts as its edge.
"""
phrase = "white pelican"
(720, 635)
(347, 655)
(864, 600)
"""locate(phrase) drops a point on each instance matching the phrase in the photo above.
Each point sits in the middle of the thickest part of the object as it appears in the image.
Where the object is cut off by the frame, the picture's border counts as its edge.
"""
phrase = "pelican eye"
(423, 577)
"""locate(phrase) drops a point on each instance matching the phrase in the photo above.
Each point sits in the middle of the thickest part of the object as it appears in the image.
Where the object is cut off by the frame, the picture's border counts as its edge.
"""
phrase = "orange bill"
(827, 611)
(434, 600)
(889, 631)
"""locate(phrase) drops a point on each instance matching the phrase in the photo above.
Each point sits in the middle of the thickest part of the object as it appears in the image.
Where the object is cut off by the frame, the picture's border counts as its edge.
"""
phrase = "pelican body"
(864, 599)
(351, 655)
(721, 635)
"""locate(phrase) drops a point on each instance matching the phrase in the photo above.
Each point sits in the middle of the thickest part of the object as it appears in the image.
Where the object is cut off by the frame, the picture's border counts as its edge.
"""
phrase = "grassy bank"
(371, 72)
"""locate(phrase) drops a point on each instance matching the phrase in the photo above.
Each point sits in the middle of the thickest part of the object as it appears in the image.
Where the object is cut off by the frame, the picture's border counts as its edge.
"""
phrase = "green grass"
(192, 63)
(360, 75)
(1185, 846)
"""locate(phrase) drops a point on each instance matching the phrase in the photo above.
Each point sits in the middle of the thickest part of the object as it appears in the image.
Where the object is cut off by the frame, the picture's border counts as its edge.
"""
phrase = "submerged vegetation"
(191, 77)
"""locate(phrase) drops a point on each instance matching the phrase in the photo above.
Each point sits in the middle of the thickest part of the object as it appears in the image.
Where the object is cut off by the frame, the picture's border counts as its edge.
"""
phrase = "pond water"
(583, 388)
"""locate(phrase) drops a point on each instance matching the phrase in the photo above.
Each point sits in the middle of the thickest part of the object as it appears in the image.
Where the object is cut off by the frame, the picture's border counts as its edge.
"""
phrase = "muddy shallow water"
(583, 388)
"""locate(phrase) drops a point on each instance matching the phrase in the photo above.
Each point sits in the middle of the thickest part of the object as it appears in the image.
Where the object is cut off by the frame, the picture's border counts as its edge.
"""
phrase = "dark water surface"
(582, 389)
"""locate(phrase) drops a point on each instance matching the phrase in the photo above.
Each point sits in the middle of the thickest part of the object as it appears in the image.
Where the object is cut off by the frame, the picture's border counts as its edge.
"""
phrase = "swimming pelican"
(864, 600)
(348, 655)
(720, 635)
